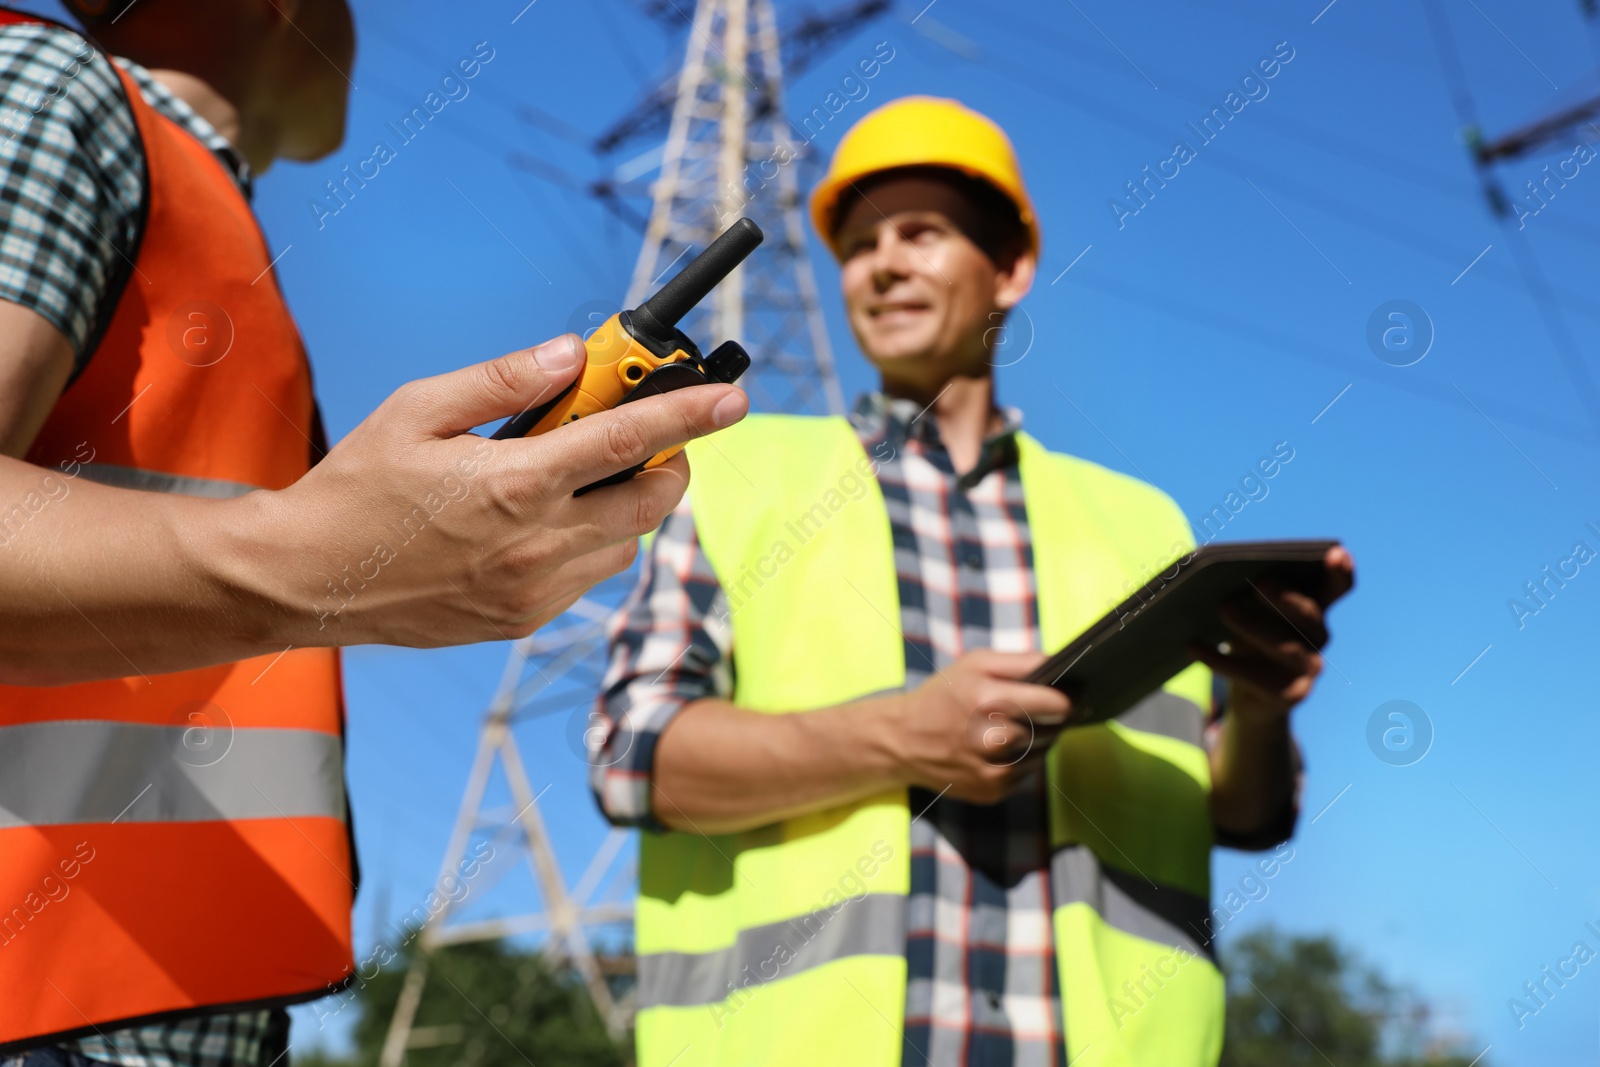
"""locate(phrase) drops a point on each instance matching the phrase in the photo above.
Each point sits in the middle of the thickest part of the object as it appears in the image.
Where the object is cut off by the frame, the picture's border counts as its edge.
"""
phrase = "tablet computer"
(1142, 642)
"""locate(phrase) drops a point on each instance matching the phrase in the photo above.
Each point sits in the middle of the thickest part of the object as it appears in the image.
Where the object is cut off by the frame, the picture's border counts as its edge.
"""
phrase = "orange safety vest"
(177, 843)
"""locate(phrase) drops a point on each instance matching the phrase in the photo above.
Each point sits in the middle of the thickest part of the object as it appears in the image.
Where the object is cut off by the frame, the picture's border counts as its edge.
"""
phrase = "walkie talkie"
(640, 353)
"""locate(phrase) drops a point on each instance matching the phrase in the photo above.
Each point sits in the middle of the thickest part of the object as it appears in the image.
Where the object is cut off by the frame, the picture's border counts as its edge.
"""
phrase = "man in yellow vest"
(917, 864)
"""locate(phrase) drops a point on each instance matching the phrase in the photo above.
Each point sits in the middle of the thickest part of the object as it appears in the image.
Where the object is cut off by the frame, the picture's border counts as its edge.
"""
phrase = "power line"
(1306, 351)
(608, 30)
(1394, 231)
(1313, 136)
(1534, 281)
(1556, 325)
(1450, 60)
(466, 133)
(1399, 233)
(543, 124)
(1309, 134)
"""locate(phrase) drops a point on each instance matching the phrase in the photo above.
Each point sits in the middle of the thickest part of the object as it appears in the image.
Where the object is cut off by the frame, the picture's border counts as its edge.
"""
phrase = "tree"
(485, 1006)
(1306, 1002)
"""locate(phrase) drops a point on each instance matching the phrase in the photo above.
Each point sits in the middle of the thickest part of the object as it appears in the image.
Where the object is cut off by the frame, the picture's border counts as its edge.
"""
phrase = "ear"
(282, 10)
(1013, 282)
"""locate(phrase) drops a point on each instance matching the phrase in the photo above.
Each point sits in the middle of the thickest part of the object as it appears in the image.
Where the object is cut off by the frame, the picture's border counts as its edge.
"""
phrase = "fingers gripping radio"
(640, 353)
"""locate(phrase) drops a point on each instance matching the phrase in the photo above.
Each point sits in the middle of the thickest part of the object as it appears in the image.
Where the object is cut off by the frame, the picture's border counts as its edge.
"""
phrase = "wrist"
(880, 724)
(248, 556)
(1252, 734)
(1258, 713)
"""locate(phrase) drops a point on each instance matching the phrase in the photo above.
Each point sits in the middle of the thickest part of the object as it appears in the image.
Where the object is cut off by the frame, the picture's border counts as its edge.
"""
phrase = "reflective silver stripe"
(872, 925)
(1130, 903)
(1166, 714)
(97, 771)
(162, 482)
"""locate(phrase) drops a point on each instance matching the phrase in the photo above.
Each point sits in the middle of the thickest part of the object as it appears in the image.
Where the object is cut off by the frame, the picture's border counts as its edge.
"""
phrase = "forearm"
(721, 769)
(97, 582)
(1252, 773)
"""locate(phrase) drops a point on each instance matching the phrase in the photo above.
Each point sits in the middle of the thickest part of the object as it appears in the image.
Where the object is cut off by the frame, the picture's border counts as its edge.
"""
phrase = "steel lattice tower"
(728, 152)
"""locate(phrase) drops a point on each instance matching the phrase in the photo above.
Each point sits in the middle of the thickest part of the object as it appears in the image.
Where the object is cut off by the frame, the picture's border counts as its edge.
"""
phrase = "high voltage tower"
(729, 151)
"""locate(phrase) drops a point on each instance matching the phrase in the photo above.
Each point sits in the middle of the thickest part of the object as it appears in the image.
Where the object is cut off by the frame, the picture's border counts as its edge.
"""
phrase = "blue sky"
(1230, 313)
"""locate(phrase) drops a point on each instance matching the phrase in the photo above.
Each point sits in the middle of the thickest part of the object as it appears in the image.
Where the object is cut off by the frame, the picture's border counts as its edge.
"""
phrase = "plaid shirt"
(232, 1039)
(980, 952)
(72, 186)
(72, 178)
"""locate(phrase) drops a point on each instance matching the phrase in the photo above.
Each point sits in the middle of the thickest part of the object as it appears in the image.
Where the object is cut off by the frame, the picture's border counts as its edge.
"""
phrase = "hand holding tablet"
(1251, 610)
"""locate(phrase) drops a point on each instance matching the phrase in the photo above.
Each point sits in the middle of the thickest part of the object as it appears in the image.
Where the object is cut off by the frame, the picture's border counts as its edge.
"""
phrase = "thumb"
(1340, 574)
(1007, 665)
(454, 403)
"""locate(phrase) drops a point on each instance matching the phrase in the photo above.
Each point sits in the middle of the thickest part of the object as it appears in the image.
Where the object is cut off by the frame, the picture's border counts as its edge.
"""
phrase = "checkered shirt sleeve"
(231, 1039)
(71, 178)
(671, 644)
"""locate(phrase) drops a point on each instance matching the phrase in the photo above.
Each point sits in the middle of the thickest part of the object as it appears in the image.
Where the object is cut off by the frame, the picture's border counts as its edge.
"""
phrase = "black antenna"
(658, 315)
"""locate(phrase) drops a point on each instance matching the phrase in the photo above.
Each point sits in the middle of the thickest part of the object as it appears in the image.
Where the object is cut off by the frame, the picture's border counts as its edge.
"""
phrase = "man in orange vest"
(178, 568)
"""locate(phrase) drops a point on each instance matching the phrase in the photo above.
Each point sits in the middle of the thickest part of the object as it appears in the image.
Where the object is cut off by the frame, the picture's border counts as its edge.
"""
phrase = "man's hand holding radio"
(504, 545)
(412, 531)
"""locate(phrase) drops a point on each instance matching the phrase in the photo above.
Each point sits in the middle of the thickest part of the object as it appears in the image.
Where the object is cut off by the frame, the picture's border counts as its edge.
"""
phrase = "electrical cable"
(517, 159)
(1341, 148)
(631, 60)
(1420, 242)
(1534, 281)
(1314, 137)
(1299, 348)
(539, 122)
(1398, 233)
(1348, 151)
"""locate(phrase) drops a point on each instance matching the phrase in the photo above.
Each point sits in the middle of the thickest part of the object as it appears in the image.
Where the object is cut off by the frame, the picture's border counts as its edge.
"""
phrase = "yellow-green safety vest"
(785, 945)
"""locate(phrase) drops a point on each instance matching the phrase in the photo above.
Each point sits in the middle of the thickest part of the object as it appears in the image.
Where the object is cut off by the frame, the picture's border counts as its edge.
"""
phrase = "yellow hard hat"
(922, 131)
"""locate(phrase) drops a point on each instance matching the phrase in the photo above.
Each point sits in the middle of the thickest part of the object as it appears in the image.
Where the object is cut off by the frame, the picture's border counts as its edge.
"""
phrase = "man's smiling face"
(920, 292)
